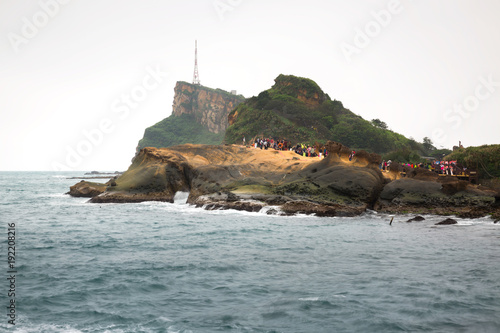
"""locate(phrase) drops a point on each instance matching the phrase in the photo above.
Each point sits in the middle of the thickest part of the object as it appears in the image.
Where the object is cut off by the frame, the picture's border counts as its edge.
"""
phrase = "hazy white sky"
(80, 80)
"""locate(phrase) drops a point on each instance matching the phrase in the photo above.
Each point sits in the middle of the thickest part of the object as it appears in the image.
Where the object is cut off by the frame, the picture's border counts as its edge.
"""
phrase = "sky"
(80, 80)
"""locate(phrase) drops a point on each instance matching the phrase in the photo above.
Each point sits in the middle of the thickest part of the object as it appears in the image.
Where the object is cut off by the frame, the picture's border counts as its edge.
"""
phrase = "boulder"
(447, 222)
(416, 219)
(85, 189)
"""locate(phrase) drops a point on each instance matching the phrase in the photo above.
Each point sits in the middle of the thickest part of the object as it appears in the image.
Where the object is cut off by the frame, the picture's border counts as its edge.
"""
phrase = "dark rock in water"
(103, 173)
(322, 210)
(447, 222)
(416, 219)
(244, 206)
(273, 211)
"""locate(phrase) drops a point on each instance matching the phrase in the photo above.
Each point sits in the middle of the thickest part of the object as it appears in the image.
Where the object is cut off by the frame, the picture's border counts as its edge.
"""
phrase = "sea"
(171, 267)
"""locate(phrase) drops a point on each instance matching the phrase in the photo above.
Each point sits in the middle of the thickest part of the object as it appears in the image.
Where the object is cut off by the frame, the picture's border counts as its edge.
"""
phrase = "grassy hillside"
(485, 159)
(173, 131)
(298, 110)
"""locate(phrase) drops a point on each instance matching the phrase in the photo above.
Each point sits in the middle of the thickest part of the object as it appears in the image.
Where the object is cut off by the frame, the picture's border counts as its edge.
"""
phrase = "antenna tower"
(196, 76)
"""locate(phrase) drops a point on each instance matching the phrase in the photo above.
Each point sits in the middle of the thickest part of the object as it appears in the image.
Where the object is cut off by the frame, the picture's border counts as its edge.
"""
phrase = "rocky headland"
(199, 115)
(237, 177)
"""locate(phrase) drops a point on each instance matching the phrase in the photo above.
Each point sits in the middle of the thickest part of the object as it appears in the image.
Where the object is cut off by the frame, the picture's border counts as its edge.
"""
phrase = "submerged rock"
(416, 219)
(448, 221)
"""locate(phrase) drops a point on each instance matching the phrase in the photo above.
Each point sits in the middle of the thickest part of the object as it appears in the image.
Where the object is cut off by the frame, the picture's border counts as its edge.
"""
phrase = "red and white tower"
(196, 76)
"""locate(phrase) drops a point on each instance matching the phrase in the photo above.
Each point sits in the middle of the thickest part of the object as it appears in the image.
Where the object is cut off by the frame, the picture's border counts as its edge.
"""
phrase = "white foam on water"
(266, 209)
(181, 197)
(173, 329)
(55, 195)
(46, 328)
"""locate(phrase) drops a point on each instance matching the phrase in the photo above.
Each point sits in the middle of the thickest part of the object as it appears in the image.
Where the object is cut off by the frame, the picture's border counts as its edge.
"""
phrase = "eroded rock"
(85, 189)
(229, 176)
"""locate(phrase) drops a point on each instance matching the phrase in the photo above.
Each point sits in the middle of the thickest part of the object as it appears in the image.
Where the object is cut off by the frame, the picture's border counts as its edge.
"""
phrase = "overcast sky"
(80, 80)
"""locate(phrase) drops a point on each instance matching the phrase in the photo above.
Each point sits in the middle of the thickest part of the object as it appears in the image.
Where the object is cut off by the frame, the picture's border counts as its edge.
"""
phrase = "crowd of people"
(451, 168)
(265, 143)
(306, 150)
(301, 149)
(310, 151)
(448, 168)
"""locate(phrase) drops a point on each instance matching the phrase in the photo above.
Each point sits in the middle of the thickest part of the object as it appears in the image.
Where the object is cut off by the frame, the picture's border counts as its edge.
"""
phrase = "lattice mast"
(196, 75)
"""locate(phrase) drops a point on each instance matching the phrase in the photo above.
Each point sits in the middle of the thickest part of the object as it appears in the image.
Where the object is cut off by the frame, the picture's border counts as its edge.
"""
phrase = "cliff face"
(210, 107)
(199, 115)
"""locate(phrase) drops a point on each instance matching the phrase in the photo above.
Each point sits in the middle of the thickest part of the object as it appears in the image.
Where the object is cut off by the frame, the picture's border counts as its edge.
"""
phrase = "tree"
(379, 123)
(428, 146)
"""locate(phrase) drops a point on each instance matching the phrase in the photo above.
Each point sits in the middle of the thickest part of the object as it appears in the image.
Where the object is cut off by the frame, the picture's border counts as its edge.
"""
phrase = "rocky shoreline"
(236, 177)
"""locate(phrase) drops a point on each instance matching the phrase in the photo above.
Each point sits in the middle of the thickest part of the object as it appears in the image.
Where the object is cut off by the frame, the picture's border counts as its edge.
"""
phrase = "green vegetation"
(298, 110)
(293, 85)
(379, 123)
(404, 155)
(485, 159)
(417, 152)
(173, 131)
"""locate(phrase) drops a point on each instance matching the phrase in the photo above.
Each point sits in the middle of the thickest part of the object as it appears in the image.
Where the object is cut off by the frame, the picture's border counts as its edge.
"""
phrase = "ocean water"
(161, 267)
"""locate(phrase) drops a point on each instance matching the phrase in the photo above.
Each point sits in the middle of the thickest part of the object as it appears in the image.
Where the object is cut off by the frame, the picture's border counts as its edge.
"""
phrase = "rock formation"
(86, 189)
(233, 176)
(230, 176)
(423, 191)
(199, 115)
(210, 107)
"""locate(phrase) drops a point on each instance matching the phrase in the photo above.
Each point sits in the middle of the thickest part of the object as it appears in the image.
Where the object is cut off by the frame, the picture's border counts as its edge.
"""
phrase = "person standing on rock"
(244, 141)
